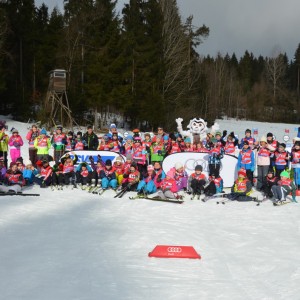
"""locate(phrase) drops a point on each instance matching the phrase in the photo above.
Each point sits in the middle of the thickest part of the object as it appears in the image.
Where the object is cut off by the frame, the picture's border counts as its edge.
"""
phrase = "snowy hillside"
(70, 244)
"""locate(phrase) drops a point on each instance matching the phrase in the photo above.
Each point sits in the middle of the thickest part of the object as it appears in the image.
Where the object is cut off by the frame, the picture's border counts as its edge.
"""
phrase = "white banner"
(83, 155)
(190, 160)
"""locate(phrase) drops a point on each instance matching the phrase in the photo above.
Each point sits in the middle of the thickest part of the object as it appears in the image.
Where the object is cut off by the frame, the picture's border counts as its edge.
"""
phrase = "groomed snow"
(73, 245)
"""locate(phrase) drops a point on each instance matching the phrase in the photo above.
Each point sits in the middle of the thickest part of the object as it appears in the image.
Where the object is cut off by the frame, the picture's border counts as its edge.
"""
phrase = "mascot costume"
(197, 129)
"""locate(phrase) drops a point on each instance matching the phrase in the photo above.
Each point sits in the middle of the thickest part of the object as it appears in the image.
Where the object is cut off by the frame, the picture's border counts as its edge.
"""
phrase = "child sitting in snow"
(84, 175)
(147, 185)
(242, 188)
(268, 182)
(2, 169)
(180, 175)
(108, 176)
(168, 188)
(29, 172)
(284, 187)
(13, 180)
(215, 185)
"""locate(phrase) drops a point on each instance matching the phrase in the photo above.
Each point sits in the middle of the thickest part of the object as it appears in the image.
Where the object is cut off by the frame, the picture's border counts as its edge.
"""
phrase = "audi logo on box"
(174, 250)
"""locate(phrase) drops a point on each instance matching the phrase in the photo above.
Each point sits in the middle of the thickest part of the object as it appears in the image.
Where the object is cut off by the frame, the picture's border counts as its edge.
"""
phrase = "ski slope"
(73, 245)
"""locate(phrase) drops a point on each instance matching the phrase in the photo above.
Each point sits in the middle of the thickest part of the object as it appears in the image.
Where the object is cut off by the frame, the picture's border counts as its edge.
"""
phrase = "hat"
(43, 131)
(242, 172)
(283, 145)
(147, 134)
(198, 168)
(59, 127)
(297, 143)
(129, 137)
(269, 134)
(263, 139)
(246, 142)
(79, 133)
(70, 133)
(169, 174)
(119, 158)
(248, 130)
(187, 140)
(84, 164)
(112, 126)
(285, 174)
(218, 133)
(166, 137)
(150, 168)
(129, 156)
(108, 162)
(19, 159)
(15, 130)
(172, 136)
(39, 163)
(271, 171)
(178, 165)
(27, 162)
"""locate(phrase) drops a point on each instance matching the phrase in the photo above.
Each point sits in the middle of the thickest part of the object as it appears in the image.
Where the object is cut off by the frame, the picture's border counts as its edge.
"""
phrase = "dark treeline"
(143, 64)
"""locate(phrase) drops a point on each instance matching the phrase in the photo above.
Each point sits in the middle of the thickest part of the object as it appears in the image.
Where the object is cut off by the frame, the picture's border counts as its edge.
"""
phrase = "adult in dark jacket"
(91, 139)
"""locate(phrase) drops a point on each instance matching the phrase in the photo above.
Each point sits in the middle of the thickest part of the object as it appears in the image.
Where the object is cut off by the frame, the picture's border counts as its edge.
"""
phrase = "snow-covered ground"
(73, 245)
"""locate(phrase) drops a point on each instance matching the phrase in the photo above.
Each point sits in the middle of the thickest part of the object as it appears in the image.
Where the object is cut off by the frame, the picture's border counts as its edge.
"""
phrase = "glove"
(16, 144)
(159, 152)
(99, 157)
(224, 132)
(91, 158)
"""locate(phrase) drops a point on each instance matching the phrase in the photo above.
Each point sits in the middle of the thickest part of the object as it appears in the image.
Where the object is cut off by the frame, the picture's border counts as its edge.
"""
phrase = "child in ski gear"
(174, 146)
(118, 167)
(168, 188)
(263, 161)
(84, 174)
(42, 143)
(216, 153)
(281, 159)
(68, 174)
(272, 143)
(147, 185)
(97, 168)
(70, 142)
(219, 138)
(159, 174)
(115, 144)
(79, 142)
(131, 180)
(128, 145)
(231, 143)
(180, 176)
(58, 141)
(139, 154)
(188, 147)
(215, 185)
(251, 141)
(13, 180)
(108, 176)
(199, 147)
(32, 134)
(246, 160)
(29, 172)
(3, 170)
(242, 188)
(20, 164)
(157, 150)
(91, 139)
(15, 142)
(284, 187)
(44, 177)
(3, 142)
(295, 163)
(197, 181)
(268, 182)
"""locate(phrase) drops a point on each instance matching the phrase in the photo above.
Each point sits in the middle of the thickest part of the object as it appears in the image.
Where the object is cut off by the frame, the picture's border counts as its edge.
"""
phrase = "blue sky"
(264, 27)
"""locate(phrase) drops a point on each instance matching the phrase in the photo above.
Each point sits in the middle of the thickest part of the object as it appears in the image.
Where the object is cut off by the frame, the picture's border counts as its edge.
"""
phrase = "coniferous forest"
(144, 63)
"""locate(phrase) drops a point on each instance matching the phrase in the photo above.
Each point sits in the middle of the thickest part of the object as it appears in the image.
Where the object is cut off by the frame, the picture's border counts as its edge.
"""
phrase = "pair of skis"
(18, 194)
(146, 197)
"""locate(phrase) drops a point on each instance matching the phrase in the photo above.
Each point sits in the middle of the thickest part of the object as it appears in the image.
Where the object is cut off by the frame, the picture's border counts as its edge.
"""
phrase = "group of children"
(142, 170)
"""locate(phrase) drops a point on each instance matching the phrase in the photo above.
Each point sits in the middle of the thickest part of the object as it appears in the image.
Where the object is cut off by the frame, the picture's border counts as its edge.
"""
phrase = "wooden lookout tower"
(57, 103)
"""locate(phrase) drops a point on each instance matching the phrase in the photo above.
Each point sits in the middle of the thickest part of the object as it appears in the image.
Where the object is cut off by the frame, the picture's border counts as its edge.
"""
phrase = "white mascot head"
(197, 126)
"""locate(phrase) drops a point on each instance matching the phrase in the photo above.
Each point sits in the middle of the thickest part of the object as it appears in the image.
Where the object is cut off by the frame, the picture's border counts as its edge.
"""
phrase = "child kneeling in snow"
(197, 181)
